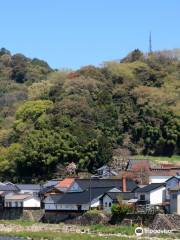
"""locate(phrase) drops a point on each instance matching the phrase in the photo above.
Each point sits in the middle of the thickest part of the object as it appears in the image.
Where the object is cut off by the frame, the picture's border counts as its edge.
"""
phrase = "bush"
(121, 209)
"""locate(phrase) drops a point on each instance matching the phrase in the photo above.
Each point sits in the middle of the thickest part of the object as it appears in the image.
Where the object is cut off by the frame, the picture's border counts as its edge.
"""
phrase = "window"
(142, 197)
(16, 204)
(110, 204)
(174, 196)
(105, 204)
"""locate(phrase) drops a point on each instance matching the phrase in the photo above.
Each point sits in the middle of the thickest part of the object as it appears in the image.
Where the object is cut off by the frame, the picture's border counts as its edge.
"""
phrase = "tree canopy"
(52, 118)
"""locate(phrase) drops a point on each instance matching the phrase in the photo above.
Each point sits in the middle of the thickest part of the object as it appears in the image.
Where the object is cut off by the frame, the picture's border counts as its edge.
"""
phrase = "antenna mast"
(150, 43)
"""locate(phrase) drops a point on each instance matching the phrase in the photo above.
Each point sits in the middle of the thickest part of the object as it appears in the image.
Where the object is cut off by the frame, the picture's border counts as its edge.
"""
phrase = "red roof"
(66, 183)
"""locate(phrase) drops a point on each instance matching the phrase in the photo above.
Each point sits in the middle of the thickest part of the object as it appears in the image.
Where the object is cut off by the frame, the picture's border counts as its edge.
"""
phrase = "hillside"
(49, 118)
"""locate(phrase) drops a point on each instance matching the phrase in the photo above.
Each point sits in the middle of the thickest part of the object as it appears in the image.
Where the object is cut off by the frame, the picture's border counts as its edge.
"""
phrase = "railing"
(146, 209)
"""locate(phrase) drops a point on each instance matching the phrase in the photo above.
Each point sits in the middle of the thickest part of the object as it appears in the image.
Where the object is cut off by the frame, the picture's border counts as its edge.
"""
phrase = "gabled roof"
(51, 182)
(124, 195)
(30, 187)
(150, 187)
(112, 183)
(49, 189)
(78, 197)
(177, 177)
(8, 187)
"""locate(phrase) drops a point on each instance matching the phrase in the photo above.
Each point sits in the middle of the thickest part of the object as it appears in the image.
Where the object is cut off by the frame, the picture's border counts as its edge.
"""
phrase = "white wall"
(158, 179)
(32, 203)
(157, 196)
(178, 204)
(26, 203)
(73, 207)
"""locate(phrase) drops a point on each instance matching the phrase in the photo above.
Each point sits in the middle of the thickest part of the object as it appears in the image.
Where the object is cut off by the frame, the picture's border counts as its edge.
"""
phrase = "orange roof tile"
(66, 183)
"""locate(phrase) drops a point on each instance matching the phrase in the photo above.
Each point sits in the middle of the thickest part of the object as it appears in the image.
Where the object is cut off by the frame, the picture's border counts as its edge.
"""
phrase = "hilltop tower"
(150, 43)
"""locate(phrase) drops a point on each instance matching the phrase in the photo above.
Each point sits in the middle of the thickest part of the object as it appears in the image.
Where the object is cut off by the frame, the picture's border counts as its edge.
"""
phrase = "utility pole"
(150, 43)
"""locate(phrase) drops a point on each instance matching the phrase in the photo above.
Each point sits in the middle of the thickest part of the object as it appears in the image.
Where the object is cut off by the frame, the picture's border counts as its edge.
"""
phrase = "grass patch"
(61, 236)
(128, 230)
(174, 158)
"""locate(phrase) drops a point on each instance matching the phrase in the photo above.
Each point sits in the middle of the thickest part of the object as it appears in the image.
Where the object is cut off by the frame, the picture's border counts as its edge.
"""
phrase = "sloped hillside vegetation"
(49, 118)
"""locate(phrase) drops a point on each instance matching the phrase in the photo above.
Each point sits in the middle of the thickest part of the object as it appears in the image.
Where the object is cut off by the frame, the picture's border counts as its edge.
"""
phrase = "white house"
(153, 193)
(22, 201)
(75, 201)
(109, 198)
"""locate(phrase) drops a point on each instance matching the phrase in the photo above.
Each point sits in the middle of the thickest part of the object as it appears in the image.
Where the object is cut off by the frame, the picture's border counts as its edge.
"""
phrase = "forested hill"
(49, 118)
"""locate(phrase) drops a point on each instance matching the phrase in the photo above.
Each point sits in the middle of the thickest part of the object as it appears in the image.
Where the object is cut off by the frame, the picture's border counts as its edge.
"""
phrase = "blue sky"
(74, 33)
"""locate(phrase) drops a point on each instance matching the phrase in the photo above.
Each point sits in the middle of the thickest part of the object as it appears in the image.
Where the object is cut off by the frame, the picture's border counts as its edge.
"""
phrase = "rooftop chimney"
(124, 183)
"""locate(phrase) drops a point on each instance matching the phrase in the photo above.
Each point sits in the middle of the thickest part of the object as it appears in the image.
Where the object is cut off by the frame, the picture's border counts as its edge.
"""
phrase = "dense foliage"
(50, 118)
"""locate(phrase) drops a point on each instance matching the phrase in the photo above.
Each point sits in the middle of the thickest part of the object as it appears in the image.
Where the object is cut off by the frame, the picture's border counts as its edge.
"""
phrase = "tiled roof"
(79, 197)
(124, 195)
(52, 182)
(8, 187)
(113, 183)
(66, 183)
(150, 187)
(32, 187)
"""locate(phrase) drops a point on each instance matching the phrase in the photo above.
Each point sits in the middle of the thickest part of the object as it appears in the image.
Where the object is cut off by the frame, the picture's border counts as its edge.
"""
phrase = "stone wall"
(59, 216)
(19, 213)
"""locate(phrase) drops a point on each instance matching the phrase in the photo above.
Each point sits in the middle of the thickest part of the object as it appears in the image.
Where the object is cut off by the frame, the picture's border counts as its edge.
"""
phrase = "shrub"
(121, 209)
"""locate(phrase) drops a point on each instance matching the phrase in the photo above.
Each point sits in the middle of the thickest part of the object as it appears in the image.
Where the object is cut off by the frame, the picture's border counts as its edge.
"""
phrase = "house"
(111, 197)
(106, 171)
(172, 183)
(175, 200)
(7, 189)
(29, 188)
(26, 201)
(159, 177)
(83, 194)
(153, 193)
(163, 172)
(75, 201)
